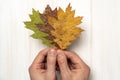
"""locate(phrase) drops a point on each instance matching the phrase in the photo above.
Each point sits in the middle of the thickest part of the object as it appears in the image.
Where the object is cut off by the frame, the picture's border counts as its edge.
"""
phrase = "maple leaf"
(50, 12)
(65, 29)
(32, 25)
(55, 27)
(47, 27)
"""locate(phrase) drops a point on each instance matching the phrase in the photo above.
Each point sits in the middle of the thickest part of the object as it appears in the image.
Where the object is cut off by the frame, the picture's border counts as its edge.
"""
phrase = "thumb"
(51, 63)
(62, 62)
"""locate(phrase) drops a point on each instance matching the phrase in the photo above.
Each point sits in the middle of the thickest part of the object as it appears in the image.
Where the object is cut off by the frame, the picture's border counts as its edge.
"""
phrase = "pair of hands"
(44, 66)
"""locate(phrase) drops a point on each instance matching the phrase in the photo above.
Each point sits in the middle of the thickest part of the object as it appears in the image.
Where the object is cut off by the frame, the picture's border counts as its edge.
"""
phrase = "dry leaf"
(65, 29)
(55, 27)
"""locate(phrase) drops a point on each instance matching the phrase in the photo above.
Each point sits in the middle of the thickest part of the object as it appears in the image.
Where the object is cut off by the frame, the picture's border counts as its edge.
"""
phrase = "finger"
(51, 61)
(62, 62)
(75, 59)
(51, 64)
(40, 57)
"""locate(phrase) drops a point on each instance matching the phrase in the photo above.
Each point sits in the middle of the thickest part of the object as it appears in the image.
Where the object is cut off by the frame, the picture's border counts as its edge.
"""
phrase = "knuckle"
(30, 68)
(33, 69)
(87, 69)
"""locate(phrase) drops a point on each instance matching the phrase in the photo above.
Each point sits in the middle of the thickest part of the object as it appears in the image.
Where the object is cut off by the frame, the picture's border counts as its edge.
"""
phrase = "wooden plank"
(105, 40)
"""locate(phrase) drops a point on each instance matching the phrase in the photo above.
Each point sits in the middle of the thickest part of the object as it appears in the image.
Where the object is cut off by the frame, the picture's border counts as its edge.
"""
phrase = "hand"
(40, 70)
(75, 69)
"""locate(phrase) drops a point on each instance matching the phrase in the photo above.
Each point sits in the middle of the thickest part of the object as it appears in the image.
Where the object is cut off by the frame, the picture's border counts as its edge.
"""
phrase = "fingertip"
(59, 52)
(75, 59)
(60, 55)
(44, 50)
(41, 56)
(51, 52)
(62, 61)
(51, 59)
(51, 55)
(71, 54)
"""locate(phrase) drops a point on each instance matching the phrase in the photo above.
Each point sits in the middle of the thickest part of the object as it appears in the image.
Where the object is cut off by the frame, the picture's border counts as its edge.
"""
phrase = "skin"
(70, 65)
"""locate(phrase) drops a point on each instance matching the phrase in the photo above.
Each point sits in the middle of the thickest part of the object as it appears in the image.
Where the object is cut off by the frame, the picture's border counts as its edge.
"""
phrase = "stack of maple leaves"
(55, 27)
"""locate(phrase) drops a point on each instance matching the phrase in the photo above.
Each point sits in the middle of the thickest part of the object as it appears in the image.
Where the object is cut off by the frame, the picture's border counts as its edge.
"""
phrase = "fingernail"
(52, 51)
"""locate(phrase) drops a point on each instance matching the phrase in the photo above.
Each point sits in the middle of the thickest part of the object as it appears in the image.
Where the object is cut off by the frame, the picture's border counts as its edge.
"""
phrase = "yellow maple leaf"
(65, 29)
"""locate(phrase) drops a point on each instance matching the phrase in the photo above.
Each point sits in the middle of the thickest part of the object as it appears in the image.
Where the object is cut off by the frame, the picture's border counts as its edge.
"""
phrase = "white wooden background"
(98, 46)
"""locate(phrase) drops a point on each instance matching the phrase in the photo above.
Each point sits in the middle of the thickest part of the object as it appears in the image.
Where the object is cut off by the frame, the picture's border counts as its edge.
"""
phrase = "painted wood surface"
(98, 46)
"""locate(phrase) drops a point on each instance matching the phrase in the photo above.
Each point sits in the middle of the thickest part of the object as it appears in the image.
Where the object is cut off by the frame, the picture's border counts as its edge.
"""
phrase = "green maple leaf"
(36, 19)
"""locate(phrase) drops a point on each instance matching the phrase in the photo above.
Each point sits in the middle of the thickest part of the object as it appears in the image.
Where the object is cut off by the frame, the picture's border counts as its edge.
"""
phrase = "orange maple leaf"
(65, 29)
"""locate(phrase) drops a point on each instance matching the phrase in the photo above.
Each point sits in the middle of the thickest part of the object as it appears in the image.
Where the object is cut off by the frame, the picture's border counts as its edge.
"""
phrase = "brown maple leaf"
(47, 27)
(50, 12)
